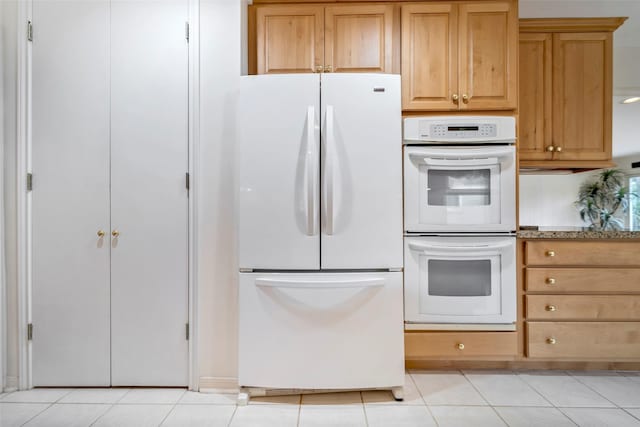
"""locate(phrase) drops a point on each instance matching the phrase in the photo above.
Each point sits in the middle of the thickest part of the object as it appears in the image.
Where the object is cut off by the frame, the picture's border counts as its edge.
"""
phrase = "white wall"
(8, 58)
(220, 55)
(547, 200)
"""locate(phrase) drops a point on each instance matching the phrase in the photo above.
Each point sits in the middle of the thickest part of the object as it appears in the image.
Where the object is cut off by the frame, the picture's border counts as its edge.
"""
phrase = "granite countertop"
(575, 233)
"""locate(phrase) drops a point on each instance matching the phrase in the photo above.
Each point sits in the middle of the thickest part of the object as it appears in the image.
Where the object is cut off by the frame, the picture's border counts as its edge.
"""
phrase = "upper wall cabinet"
(566, 92)
(296, 38)
(459, 56)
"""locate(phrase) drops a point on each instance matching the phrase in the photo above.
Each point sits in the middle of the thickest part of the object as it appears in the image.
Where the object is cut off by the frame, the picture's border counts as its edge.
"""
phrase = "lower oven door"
(459, 189)
(460, 279)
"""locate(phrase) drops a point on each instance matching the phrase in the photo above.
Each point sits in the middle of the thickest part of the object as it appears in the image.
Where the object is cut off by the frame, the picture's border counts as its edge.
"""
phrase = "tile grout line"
(103, 414)
(299, 410)
(594, 390)
(415, 384)
(235, 409)
(364, 410)
(30, 419)
(474, 387)
(553, 405)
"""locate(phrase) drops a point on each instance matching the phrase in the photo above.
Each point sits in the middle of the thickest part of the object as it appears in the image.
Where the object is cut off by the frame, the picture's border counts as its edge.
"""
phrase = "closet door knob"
(115, 233)
(465, 98)
(558, 149)
(455, 97)
(100, 233)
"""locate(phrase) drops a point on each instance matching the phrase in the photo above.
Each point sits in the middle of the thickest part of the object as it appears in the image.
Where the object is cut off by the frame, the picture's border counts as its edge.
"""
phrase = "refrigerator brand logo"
(378, 89)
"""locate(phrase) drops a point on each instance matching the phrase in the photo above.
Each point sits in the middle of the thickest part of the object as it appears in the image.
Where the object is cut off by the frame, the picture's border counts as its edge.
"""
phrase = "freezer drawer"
(321, 330)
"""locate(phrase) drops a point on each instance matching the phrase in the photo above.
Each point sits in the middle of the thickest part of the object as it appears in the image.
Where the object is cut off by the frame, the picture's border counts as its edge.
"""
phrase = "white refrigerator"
(320, 232)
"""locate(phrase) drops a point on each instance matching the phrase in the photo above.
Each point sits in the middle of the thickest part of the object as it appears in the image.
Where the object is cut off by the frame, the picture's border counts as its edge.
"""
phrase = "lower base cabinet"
(435, 345)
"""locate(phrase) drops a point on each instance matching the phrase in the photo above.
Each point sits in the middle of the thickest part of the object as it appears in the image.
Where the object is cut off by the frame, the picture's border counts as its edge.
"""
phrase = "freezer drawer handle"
(311, 165)
(320, 284)
(424, 247)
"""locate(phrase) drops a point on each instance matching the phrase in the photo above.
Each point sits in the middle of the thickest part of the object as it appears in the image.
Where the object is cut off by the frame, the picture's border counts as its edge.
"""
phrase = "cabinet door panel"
(359, 38)
(488, 52)
(290, 38)
(70, 149)
(149, 204)
(429, 56)
(582, 95)
(534, 96)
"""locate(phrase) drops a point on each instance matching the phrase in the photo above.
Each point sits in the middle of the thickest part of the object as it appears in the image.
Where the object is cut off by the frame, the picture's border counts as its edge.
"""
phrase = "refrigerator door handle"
(320, 284)
(328, 175)
(311, 168)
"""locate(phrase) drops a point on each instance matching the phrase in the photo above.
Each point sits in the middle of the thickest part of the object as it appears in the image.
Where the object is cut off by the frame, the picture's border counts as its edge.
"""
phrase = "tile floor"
(432, 398)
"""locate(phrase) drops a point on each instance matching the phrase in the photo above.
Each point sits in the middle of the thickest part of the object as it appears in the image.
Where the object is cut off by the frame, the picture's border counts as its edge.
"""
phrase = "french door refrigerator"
(320, 232)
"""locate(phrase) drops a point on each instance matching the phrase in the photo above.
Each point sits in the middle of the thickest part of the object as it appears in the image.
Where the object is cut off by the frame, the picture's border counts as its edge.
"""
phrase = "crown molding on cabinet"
(562, 25)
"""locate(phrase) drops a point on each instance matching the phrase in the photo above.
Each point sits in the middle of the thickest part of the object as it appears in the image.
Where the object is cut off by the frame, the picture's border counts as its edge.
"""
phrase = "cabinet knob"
(100, 233)
(551, 340)
(550, 281)
(550, 308)
(328, 68)
(115, 233)
(455, 97)
(558, 149)
(318, 68)
(550, 148)
(550, 253)
(465, 98)
(460, 346)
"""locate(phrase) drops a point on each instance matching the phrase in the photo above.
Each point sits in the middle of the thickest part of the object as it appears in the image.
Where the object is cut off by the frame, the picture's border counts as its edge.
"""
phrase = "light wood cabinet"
(565, 92)
(463, 345)
(581, 299)
(307, 38)
(459, 56)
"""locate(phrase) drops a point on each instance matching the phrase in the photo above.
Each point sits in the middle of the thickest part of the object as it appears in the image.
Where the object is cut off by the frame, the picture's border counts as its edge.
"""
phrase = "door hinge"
(188, 181)
(29, 31)
(30, 331)
(186, 31)
(29, 181)
(187, 331)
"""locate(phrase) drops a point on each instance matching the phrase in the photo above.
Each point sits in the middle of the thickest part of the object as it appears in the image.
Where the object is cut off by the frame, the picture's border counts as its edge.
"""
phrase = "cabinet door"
(359, 38)
(290, 39)
(582, 95)
(429, 56)
(149, 204)
(488, 53)
(534, 98)
(70, 149)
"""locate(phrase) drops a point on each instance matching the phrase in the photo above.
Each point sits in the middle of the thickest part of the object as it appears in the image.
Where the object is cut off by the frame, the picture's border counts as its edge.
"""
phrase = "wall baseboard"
(11, 384)
(218, 385)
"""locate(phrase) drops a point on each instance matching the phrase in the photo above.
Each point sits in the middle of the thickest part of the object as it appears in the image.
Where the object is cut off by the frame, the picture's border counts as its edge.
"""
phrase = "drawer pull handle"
(550, 281)
(550, 308)
(460, 346)
(550, 253)
(551, 340)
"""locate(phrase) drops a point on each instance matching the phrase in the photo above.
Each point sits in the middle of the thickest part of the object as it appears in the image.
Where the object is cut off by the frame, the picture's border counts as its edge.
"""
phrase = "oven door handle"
(320, 284)
(459, 153)
(491, 161)
(424, 247)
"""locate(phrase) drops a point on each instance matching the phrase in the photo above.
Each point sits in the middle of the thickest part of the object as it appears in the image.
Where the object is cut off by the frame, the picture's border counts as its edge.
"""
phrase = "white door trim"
(23, 149)
(194, 188)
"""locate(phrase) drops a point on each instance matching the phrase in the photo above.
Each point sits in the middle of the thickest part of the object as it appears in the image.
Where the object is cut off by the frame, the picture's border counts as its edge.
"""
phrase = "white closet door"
(70, 299)
(149, 124)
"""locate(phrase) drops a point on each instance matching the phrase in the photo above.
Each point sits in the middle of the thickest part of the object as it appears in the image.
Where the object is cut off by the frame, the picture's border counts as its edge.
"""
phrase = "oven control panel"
(460, 129)
(469, 130)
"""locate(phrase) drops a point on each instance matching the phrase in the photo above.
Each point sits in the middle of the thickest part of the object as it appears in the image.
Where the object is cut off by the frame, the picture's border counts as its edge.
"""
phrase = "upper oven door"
(459, 189)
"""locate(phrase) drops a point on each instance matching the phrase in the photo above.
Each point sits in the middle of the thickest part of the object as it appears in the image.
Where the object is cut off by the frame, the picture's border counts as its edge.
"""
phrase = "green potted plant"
(600, 199)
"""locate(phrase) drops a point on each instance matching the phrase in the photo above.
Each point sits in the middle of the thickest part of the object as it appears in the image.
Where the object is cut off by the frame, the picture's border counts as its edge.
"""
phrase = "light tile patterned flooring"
(432, 398)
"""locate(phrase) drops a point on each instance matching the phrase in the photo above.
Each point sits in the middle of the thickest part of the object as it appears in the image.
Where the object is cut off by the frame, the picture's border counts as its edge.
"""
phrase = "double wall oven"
(460, 221)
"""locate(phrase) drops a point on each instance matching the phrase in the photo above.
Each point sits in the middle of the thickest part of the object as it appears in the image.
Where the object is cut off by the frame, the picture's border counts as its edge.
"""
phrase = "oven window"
(469, 187)
(449, 278)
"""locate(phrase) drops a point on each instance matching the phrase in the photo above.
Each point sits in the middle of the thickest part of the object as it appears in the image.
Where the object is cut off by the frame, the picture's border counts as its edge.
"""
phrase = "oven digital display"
(463, 128)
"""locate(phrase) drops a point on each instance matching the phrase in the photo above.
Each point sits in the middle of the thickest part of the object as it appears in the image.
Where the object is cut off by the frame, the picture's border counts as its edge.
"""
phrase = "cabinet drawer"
(460, 344)
(608, 280)
(591, 253)
(588, 340)
(583, 307)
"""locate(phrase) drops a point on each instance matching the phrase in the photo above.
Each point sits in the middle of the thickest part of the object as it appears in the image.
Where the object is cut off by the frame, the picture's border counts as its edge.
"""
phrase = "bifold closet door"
(70, 198)
(149, 204)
